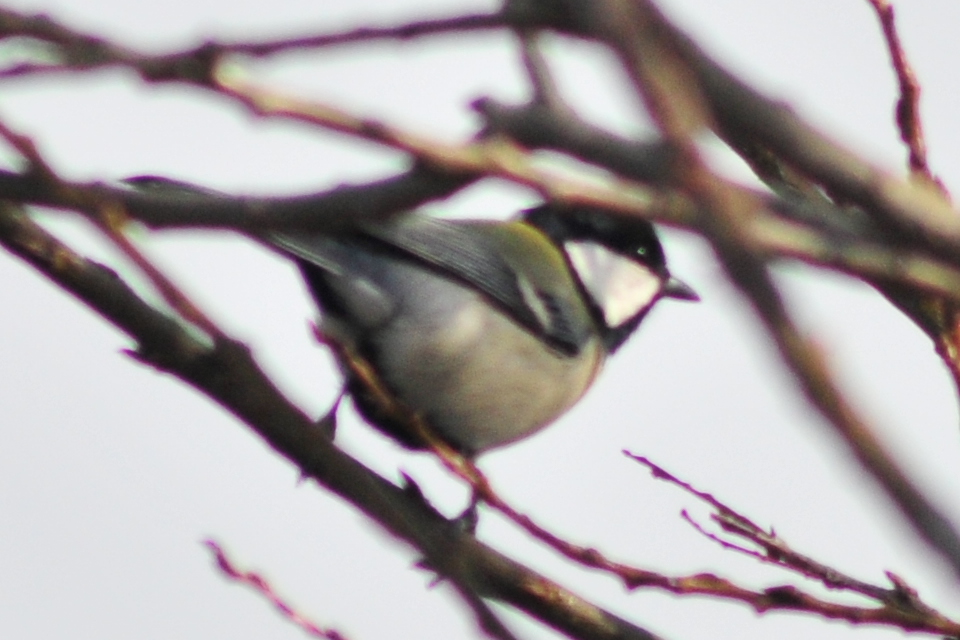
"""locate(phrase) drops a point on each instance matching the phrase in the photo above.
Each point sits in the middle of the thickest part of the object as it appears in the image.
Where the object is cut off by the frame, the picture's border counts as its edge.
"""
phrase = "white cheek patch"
(618, 285)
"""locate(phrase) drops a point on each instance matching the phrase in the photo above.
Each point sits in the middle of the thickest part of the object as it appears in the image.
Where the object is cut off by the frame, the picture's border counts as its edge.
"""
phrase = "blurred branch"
(536, 125)
(167, 207)
(112, 222)
(545, 91)
(940, 318)
(407, 31)
(834, 209)
(790, 154)
(79, 51)
(654, 52)
(641, 35)
(750, 121)
(491, 157)
(806, 228)
(755, 125)
(777, 227)
(260, 585)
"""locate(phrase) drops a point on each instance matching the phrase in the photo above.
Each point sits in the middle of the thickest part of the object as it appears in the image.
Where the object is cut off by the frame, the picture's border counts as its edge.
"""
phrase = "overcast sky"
(112, 474)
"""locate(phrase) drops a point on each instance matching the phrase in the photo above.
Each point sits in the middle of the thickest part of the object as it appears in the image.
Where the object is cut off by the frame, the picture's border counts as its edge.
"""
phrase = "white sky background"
(112, 474)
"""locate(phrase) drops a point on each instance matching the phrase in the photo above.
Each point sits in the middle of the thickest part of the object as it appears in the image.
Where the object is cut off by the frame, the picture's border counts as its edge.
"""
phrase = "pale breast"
(479, 379)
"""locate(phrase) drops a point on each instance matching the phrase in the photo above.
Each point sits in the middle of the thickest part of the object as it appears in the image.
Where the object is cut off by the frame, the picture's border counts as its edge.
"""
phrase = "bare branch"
(777, 551)
(749, 120)
(165, 207)
(754, 124)
(908, 106)
(545, 91)
(260, 585)
(407, 31)
(911, 239)
(651, 68)
(112, 222)
(79, 51)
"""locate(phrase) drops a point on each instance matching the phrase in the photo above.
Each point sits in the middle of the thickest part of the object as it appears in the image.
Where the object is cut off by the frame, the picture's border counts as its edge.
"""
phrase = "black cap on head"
(633, 237)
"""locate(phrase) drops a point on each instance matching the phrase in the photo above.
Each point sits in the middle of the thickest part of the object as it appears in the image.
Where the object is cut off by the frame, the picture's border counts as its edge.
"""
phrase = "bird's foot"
(467, 521)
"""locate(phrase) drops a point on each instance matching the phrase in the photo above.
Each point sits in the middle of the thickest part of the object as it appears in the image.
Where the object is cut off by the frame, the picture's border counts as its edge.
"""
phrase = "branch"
(260, 585)
(776, 551)
(750, 121)
(75, 50)
(812, 233)
(158, 206)
(800, 225)
(796, 160)
(407, 31)
(653, 50)
(755, 124)
(650, 162)
(908, 106)
(685, 91)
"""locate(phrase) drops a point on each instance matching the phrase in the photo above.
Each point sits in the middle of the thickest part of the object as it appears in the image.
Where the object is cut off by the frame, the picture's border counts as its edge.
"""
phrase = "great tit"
(486, 330)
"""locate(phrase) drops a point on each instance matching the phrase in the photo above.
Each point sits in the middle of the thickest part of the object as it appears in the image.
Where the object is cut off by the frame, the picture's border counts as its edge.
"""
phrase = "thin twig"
(726, 544)
(37, 167)
(80, 51)
(406, 31)
(909, 120)
(112, 222)
(775, 550)
(261, 586)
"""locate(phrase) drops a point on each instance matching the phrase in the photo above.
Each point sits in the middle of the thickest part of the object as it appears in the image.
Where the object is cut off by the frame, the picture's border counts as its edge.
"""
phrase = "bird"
(487, 330)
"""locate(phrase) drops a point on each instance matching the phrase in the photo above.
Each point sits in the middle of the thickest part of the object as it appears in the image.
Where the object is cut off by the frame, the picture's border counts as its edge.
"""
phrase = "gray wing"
(344, 279)
(458, 251)
(455, 250)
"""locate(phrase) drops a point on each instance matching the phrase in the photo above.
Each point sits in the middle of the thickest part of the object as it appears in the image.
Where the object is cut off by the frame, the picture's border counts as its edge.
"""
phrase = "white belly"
(479, 379)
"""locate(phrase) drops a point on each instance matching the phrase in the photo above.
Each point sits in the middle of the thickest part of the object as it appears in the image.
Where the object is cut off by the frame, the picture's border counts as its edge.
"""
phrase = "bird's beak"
(674, 288)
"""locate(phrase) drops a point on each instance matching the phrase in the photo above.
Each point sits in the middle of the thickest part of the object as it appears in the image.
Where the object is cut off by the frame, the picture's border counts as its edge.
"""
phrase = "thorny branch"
(830, 208)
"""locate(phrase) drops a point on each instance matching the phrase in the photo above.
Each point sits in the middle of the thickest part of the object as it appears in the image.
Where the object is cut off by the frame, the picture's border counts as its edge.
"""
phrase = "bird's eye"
(642, 251)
